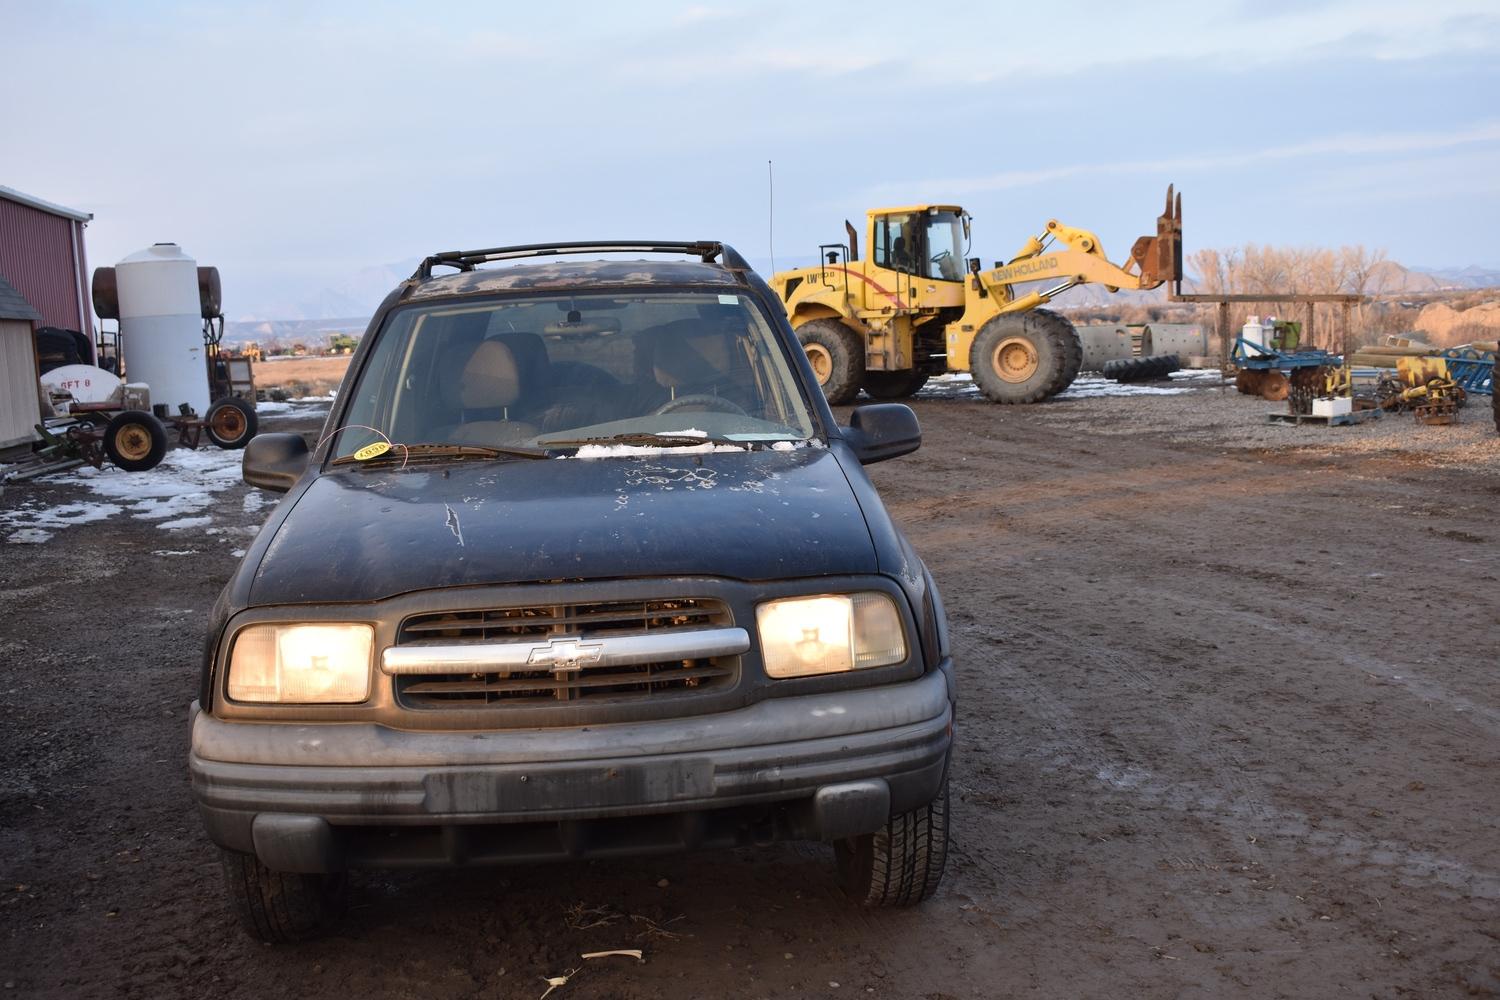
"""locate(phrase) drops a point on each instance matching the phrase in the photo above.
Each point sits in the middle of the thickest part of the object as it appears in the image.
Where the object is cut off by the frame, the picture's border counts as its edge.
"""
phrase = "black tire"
(893, 385)
(1141, 369)
(837, 355)
(230, 423)
(1025, 357)
(902, 864)
(1067, 335)
(135, 440)
(282, 907)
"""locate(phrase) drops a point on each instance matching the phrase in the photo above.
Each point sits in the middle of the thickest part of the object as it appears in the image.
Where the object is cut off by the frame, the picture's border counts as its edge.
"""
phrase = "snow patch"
(28, 536)
(174, 552)
(644, 451)
(187, 522)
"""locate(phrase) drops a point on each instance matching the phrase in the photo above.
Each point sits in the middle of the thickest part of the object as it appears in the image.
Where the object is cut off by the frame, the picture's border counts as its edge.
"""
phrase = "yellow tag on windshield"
(370, 451)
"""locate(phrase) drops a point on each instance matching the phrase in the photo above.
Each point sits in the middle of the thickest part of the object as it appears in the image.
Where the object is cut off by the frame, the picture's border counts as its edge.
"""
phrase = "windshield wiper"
(402, 453)
(643, 440)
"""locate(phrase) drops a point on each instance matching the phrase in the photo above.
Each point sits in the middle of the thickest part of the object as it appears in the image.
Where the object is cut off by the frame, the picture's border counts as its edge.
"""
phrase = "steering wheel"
(943, 255)
(700, 401)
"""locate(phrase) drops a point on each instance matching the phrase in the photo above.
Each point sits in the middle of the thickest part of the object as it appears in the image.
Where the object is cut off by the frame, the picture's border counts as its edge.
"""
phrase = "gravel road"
(1229, 726)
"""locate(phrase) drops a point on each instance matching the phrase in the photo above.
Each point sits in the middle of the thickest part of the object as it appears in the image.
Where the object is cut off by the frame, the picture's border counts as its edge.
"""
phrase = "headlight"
(301, 663)
(800, 636)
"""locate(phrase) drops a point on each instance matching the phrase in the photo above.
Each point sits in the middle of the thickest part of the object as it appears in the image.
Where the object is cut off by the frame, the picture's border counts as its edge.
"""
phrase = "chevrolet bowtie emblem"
(565, 654)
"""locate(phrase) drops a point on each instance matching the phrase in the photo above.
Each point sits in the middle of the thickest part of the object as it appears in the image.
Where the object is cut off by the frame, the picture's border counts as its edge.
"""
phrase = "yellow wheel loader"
(916, 307)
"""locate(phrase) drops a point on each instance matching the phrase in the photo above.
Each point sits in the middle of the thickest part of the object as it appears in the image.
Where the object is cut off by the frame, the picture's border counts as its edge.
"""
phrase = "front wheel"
(135, 440)
(902, 864)
(282, 907)
(1025, 357)
(837, 356)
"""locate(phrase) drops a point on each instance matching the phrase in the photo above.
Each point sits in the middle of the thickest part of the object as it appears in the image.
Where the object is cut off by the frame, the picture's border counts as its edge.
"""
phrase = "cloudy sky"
(305, 148)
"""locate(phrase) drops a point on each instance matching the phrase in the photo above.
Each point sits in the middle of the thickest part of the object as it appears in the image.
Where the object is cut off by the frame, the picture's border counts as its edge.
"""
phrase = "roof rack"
(466, 260)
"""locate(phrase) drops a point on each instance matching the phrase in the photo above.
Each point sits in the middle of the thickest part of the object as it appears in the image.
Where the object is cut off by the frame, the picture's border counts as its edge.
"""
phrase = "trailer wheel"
(894, 385)
(230, 423)
(837, 356)
(1023, 358)
(135, 441)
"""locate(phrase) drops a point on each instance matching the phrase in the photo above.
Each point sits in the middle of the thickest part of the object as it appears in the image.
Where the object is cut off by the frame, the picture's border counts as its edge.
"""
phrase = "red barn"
(41, 256)
(43, 282)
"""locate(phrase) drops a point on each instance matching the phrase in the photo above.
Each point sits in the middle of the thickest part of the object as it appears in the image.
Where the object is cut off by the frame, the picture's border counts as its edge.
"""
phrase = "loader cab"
(924, 241)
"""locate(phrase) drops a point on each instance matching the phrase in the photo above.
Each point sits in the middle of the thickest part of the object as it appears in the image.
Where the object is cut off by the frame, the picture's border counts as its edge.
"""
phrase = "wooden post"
(1223, 336)
(1309, 337)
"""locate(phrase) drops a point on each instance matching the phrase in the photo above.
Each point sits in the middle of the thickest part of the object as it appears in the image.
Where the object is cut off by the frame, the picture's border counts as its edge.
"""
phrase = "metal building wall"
(41, 254)
(20, 405)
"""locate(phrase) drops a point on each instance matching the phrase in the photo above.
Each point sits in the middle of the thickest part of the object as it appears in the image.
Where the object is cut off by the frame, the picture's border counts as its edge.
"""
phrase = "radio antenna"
(771, 214)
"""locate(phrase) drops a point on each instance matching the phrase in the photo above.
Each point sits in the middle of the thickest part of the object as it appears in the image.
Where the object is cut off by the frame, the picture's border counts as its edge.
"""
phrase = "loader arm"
(1154, 260)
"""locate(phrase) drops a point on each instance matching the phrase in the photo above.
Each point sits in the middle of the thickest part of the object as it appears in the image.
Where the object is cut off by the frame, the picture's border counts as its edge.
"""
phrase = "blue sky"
(295, 146)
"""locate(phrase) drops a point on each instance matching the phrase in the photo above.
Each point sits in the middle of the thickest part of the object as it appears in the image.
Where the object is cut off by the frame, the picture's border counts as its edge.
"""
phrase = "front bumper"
(326, 796)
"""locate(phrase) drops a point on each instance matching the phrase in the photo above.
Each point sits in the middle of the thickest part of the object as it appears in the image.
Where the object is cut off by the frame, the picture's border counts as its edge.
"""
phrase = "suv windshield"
(565, 369)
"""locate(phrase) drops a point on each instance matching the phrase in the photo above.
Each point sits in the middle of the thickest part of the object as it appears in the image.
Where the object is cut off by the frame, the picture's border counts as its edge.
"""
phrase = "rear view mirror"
(274, 461)
(882, 431)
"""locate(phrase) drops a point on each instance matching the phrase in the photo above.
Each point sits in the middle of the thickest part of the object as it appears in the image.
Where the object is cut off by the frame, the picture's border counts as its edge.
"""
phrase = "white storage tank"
(161, 325)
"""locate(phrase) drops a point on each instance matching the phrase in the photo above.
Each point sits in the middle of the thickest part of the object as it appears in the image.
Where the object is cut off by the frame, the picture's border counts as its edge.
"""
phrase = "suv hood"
(362, 535)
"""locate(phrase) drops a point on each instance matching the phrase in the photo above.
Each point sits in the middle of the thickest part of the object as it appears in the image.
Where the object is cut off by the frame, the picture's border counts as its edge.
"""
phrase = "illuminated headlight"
(800, 636)
(301, 663)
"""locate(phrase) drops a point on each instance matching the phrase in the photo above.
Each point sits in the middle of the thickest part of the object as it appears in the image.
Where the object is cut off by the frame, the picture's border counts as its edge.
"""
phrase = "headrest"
(491, 378)
(688, 353)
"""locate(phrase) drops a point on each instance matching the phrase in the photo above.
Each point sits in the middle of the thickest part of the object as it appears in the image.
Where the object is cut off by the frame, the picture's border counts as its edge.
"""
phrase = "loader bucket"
(1159, 257)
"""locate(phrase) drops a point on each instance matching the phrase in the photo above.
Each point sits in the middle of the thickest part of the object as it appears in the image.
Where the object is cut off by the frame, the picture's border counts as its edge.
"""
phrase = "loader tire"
(837, 356)
(135, 440)
(1067, 335)
(1025, 357)
(282, 907)
(893, 385)
(1141, 369)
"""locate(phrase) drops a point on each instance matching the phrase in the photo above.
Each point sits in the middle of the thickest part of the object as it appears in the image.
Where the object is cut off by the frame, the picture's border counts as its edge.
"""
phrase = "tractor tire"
(900, 865)
(135, 440)
(837, 356)
(1157, 366)
(1067, 335)
(1024, 357)
(230, 423)
(282, 907)
(893, 385)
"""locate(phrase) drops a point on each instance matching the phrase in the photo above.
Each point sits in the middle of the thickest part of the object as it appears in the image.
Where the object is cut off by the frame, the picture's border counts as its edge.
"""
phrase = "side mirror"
(882, 431)
(274, 461)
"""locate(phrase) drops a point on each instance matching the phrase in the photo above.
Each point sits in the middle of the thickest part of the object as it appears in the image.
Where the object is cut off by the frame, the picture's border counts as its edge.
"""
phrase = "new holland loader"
(916, 307)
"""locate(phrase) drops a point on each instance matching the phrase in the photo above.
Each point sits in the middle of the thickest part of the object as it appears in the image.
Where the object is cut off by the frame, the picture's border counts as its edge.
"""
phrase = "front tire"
(902, 864)
(282, 907)
(135, 440)
(1025, 357)
(837, 356)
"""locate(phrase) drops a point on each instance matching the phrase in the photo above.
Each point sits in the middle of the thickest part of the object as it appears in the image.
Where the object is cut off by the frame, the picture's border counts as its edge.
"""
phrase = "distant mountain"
(311, 332)
(358, 295)
(1463, 277)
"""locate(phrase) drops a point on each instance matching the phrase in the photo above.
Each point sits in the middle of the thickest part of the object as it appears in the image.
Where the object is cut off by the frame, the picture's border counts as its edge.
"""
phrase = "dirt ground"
(1229, 726)
(301, 376)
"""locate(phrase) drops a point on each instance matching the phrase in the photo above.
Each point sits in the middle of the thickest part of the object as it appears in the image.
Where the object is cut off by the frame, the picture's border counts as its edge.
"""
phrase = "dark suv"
(581, 566)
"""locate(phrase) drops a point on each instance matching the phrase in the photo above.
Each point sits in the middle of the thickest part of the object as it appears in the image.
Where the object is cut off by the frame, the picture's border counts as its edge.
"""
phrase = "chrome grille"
(615, 650)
